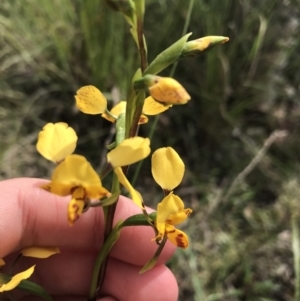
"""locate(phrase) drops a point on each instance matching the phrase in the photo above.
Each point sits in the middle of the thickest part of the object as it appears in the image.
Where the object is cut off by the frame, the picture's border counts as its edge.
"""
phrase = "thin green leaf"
(138, 220)
(151, 263)
(30, 287)
(108, 201)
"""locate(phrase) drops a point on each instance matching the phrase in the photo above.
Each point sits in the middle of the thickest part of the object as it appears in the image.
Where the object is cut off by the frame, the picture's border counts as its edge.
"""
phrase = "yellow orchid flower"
(165, 89)
(90, 100)
(167, 168)
(15, 280)
(76, 177)
(117, 110)
(56, 141)
(168, 171)
(171, 212)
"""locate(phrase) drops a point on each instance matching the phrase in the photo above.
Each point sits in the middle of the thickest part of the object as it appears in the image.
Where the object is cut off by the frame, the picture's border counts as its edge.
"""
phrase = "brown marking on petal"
(73, 189)
(179, 241)
(75, 214)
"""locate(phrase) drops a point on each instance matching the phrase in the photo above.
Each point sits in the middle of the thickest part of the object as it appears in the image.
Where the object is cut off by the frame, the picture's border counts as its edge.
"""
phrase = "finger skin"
(74, 298)
(30, 216)
(69, 273)
(158, 284)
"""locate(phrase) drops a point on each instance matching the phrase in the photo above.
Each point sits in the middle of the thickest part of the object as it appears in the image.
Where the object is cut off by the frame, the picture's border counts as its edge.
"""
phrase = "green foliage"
(241, 92)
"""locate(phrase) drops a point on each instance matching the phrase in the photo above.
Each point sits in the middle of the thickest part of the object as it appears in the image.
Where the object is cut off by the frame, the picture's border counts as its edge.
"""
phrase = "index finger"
(30, 216)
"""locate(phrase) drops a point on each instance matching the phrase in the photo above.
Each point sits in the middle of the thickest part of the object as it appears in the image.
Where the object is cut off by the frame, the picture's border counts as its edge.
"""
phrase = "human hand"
(30, 216)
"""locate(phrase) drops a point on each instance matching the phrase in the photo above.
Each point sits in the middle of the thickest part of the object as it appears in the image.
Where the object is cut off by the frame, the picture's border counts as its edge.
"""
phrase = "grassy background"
(241, 181)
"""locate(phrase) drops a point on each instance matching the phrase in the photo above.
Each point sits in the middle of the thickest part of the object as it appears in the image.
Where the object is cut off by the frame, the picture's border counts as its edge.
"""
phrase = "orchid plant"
(148, 95)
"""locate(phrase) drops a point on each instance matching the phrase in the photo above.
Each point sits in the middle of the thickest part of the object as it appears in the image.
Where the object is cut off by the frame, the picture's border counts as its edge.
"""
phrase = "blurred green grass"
(244, 245)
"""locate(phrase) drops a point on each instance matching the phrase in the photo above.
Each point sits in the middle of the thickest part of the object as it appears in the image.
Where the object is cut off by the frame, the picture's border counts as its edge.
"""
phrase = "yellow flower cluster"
(75, 176)
(164, 92)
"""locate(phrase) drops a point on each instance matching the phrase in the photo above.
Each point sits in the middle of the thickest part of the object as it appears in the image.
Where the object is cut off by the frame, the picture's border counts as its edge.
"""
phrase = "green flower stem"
(154, 124)
(109, 213)
(142, 48)
(140, 10)
(101, 260)
(137, 113)
(140, 163)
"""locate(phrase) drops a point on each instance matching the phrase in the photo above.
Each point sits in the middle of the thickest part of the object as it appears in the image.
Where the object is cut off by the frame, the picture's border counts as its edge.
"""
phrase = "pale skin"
(30, 216)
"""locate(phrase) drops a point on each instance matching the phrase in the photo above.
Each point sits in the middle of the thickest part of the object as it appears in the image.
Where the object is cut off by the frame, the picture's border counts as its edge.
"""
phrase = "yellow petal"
(76, 171)
(153, 107)
(177, 237)
(2, 262)
(129, 151)
(116, 111)
(135, 195)
(168, 90)
(75, 209)
(56, 141)
(167, 168)
(58, 188)
(39, 252)
(15, 280)
(171, 204)
(179, 217)
(90, 100)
